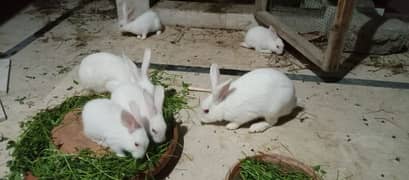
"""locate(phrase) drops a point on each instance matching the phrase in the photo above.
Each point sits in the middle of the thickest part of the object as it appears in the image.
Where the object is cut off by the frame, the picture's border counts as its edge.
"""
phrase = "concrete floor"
(352, 131)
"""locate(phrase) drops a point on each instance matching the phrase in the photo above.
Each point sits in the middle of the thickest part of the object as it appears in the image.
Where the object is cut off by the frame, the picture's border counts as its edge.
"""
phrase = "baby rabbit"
(104, 71)
(266, 93)
(263, 40)
(110, 125)
(146, 23)
(151, 107)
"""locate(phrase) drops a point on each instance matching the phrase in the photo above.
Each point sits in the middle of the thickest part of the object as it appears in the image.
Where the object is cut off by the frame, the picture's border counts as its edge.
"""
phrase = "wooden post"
(261, 5)
(332, 57)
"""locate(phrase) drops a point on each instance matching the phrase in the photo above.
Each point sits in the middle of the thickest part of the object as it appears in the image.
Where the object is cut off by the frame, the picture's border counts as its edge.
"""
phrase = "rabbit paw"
(266, 51)
(232, 126)
(259, 127)
(158, 32)
(102, 143)
(245, 45)
(120, 154)
(143, 36)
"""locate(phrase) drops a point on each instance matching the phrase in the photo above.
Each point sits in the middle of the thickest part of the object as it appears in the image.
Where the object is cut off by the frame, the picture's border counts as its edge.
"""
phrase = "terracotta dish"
(282, 161)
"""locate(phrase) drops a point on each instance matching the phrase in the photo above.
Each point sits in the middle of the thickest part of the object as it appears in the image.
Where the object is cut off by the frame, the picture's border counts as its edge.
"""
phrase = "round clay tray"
(70, 138)
(282, 161)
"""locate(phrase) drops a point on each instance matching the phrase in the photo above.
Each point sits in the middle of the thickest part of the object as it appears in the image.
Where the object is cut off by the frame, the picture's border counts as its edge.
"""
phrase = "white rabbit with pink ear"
(146, 23)
(151, 107)
(110, 125)
(262, 93)
(263, 40)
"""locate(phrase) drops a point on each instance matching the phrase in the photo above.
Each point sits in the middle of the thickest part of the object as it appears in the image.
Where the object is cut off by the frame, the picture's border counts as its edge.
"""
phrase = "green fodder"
(34, 151)
(251, 169)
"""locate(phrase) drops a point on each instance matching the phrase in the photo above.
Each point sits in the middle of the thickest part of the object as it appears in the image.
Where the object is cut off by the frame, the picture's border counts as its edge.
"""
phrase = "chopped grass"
(251, 169)
(34, 151)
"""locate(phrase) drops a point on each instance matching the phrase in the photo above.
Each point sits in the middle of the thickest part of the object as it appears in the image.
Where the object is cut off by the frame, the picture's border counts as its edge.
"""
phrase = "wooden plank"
(332, 58)
(3, 115)
(261, 5)
(4, 74)
(309, 50)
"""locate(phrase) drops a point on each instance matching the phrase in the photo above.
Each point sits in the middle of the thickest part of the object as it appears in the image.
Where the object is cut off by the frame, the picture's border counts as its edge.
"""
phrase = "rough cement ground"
(353, 132)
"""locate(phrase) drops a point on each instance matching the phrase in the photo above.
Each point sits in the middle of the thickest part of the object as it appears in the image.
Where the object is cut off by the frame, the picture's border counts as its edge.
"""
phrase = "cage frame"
(328, 60)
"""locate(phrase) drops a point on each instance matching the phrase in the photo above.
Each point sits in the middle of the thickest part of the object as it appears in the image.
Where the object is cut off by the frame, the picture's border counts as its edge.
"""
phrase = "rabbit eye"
(277, 47)
(154, 131)
(136, 145)
(206, 111)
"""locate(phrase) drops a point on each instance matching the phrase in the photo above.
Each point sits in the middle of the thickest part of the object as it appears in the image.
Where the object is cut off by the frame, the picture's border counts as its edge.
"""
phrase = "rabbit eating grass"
(108, 124)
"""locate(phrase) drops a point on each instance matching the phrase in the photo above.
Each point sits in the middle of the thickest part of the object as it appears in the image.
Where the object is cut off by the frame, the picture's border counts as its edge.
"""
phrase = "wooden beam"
(332, 58)
(4, 74)
(309, 50)
(261, 5)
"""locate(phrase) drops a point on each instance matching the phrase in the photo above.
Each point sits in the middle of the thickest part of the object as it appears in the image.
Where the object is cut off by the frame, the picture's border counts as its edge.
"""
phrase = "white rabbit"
(261, 93)
(151, 107)
(263, 40)
(104, 71)
(146, 23)
(110, 125)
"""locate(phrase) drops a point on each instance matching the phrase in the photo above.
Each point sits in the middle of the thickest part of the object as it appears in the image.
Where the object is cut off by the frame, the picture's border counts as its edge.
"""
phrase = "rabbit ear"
(222, 91)
(273, 32)
(128, 16)
(125, 57)
(214, 76)
(146, 62)
(149, 104)
(159, 97)
(136, 110)
(132, 67)
(129, 121)
(124, 13)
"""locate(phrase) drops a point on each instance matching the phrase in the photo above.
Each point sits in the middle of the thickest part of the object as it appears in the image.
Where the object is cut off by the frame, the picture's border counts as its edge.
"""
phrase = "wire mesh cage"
(303, 15)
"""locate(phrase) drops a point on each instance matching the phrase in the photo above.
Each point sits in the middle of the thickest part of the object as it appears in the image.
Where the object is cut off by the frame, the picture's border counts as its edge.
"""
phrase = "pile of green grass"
(34, 151)
(252, 169)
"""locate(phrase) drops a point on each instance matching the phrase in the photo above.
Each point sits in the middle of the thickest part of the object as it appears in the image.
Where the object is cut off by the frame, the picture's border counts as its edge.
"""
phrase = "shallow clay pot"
(282, 161)
(170, 154)
(69, 137)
